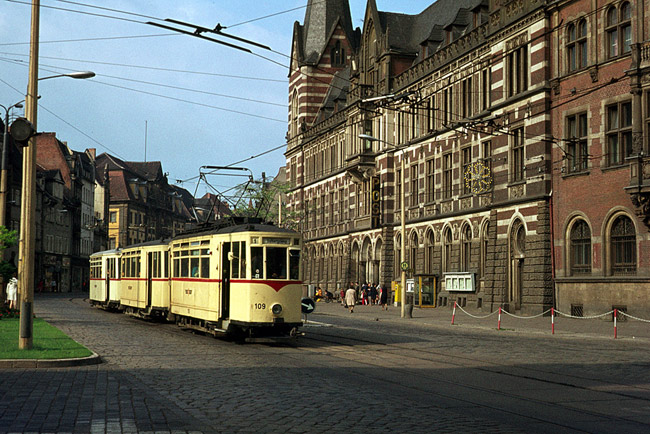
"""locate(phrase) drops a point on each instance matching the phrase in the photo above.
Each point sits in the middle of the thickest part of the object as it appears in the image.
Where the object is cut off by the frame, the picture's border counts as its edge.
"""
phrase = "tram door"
(225, 281)
(149, 277)
(107, 278)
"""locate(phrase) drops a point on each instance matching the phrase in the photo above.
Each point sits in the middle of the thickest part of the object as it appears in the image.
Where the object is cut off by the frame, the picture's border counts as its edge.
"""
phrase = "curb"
(93, 359)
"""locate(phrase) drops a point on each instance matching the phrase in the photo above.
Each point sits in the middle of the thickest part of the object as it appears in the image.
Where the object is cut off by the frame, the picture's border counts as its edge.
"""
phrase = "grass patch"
(48, 342)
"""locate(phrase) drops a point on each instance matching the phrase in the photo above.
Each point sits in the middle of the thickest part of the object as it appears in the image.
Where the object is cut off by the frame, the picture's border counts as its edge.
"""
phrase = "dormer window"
(338, 55)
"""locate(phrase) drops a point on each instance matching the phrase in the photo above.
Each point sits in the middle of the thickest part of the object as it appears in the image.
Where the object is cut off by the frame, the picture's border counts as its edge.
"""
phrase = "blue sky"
(200, 103)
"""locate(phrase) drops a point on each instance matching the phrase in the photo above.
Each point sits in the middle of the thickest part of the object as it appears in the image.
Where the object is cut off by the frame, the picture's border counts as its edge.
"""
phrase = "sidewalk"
(441, 317)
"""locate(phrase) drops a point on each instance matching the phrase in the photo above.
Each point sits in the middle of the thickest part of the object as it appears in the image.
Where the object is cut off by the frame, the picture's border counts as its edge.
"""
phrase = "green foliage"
(7, 239)
(263, 200)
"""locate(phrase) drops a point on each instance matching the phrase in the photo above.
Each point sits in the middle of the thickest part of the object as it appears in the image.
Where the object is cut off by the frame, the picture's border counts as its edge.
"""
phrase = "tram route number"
(260, 306)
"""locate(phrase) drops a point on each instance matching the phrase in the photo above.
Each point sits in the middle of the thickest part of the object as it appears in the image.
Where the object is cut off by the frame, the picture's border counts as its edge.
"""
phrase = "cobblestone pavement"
(364, 372)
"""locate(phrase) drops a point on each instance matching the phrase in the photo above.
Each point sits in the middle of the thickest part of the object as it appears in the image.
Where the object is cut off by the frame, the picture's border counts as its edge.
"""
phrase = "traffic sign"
(307, 305)
(404, 266)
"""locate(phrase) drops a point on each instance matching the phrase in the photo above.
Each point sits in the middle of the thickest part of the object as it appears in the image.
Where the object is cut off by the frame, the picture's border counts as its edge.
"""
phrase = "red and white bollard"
(615, 315)
(552, 321)
(499, 323)
(453, 315)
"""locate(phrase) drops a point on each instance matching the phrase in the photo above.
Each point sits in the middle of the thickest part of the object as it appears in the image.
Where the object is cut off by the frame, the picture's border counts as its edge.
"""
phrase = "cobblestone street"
(364, 372)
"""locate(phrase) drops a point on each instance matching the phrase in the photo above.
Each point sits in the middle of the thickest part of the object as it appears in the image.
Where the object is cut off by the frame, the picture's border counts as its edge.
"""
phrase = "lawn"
(49, 342)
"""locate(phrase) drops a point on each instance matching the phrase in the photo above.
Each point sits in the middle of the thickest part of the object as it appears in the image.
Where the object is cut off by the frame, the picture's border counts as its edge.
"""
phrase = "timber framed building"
(474, 99)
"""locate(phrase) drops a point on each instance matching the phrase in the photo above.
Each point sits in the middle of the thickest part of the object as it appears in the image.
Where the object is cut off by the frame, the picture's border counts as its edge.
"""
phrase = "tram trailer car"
(105, 279)
(145, 279)
(242, 280)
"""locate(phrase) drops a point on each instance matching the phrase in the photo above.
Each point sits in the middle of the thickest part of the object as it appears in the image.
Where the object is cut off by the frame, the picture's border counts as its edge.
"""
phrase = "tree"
(7, 268)
(263, 199)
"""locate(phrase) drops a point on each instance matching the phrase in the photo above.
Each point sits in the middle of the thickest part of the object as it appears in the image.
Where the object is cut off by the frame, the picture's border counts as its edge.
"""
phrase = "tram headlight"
(276, 309)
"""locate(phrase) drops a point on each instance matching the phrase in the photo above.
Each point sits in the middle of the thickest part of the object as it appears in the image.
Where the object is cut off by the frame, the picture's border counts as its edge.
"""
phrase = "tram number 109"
(260, 305)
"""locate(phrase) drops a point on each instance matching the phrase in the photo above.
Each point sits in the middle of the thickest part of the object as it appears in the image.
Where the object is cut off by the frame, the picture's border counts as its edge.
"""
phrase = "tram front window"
(294, 264)
(257, 262)
(276, 263)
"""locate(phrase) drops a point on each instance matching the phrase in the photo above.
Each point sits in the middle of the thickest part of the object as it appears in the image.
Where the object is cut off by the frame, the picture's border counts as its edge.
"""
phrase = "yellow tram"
(241, 278)
(105, 279)
(145, 279)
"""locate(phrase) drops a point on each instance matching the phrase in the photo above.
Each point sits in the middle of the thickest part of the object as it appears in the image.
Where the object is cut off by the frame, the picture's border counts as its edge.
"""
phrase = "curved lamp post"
(27, 243)
(402, 221)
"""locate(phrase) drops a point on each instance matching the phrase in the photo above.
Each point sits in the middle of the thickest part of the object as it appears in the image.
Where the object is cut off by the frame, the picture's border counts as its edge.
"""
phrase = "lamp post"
(3, 163)
(402, 221)
(27, 243)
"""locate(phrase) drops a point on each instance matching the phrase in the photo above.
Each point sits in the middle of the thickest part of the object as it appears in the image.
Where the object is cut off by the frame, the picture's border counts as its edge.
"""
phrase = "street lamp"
(27, 243)
(403, 264)
(76, 75)
(3, 162)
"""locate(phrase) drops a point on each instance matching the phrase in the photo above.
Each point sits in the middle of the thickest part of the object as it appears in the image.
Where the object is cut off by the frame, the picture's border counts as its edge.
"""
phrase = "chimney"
(93, 153)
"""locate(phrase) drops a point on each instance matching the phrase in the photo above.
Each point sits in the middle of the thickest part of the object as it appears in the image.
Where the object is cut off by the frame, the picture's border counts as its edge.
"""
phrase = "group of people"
(367, 294)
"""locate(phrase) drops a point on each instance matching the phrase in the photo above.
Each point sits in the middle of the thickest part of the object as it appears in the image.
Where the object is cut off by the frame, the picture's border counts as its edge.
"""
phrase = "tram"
(238, 278)
(105, 279)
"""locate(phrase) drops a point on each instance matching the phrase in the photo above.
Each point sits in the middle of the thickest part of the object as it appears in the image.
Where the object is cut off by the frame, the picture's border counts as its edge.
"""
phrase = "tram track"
(387, 353)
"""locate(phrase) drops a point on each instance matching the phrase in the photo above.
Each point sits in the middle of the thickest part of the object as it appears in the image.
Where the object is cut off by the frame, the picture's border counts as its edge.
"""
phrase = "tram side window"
(242, 260)
(257, 262)
(177, 265)
(205, 266)
(294, 264)
(185, 266)
(194, 263)
(276, 262)
(234, 264)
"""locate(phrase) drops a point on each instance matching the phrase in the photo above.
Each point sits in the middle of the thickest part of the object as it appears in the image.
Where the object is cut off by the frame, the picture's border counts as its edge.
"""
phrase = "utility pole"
(27, 243)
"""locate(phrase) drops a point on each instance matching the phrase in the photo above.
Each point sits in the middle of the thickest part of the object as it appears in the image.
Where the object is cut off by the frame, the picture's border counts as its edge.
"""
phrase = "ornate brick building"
(479, 101)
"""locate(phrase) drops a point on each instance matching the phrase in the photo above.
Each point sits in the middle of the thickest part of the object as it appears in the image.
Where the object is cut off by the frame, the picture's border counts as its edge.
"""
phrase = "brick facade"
(487, 97)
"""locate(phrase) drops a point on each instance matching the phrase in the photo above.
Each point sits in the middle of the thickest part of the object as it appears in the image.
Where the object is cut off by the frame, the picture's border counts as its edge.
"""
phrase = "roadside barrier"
(553, 313)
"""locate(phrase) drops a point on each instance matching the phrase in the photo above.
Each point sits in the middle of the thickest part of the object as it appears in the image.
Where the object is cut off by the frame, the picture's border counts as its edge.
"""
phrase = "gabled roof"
(321, 19)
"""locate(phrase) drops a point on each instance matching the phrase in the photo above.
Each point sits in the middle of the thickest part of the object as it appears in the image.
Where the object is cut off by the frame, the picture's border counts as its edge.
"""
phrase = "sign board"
(307, 305)
(461, 282)
(375, 205)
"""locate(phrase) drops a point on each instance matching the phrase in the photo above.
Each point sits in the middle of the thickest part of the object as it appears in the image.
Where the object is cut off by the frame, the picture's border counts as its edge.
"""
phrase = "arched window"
(484, 247)
(619, 30)
(413, 254)
(467, 247)
(626, 27)
(447, 239)
(623, 246)
(580, 248)
(577, 45)
(398, 255)
(429, 246)
(294, 113)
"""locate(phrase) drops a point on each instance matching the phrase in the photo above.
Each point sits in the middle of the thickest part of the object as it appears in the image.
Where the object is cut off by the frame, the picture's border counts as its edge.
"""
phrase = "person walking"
(351, 298)
(12, 291)
(383, 298)
(373, 294)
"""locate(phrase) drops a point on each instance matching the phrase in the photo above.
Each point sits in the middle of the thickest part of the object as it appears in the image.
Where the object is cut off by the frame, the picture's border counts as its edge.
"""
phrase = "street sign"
(404, 266)
(307, 305)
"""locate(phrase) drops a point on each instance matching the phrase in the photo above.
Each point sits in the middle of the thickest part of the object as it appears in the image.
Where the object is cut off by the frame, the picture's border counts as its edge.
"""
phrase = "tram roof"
(233, 225)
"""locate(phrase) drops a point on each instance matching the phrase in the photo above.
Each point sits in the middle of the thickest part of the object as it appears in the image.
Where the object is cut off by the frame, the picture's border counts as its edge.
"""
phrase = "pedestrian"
(53, 285)
(350, 298)
(12, 291)
(39, 286)
(383, 298)
(373, 294)
(342, 297)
